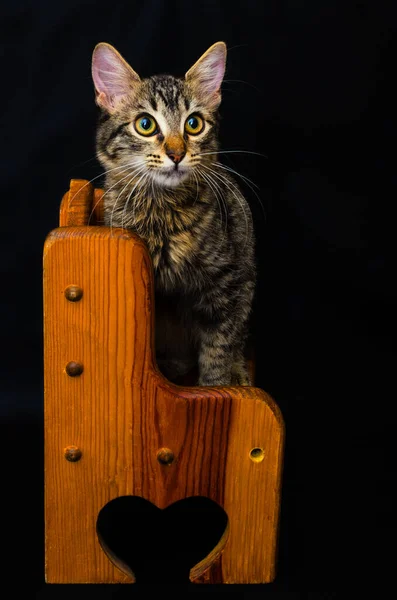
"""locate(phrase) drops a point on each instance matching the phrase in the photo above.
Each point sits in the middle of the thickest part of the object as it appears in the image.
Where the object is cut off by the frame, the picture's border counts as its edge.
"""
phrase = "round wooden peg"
(165, 456)
(73, 369)
(73, 293)
(72, 453)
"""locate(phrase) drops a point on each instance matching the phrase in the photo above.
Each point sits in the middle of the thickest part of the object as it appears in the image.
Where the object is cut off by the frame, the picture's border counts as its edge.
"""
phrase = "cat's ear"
(206, 75)
(113, 77)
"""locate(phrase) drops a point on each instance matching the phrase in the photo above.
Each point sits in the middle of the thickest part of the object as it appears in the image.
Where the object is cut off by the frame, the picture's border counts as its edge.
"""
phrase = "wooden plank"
(120, 411)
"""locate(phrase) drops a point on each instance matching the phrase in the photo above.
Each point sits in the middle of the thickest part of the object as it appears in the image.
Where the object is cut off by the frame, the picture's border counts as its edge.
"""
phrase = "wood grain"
(98, 207)
(76, 204)
(121, 410)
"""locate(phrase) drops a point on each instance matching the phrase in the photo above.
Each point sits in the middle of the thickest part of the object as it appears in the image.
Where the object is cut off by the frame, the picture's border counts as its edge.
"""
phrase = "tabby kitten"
(157, 140)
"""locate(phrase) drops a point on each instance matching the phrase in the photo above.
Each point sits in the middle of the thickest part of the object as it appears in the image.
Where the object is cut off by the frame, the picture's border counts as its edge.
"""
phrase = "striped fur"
(192, 215)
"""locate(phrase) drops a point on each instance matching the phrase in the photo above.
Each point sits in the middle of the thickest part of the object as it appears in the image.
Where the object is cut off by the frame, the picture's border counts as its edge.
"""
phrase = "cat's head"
(163, 127)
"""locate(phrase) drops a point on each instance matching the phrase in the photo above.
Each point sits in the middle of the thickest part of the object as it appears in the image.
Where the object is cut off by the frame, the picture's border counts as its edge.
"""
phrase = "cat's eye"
(194, 125)
(145, 125)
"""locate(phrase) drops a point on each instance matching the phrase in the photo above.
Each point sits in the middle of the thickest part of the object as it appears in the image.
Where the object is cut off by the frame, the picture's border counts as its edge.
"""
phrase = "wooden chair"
(115, 426)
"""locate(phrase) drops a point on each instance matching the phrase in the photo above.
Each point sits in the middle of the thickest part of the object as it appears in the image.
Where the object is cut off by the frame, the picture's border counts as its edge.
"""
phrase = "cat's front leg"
(222, 362)
(222, 327)
(220, 334)
(240, 375)
(215, 358)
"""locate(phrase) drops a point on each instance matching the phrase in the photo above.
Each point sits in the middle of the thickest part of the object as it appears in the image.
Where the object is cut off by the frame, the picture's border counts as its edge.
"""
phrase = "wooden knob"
(72, 453)
(73, 369)
(165, 456)
(73, 293)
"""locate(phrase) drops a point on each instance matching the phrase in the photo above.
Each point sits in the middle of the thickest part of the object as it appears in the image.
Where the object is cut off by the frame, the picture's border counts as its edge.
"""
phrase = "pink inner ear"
(214, 72)
(110, 75)
(208, 73)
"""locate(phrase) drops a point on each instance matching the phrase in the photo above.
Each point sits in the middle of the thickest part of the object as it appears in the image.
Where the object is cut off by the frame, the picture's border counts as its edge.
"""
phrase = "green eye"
(146, 125)
(194, 124)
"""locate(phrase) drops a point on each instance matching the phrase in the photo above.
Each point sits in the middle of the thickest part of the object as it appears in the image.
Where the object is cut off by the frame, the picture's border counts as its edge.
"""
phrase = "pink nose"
(176, 157)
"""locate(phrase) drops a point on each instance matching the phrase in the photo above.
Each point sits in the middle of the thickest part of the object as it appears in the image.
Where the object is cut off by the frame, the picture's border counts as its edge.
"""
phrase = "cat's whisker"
(227, 182)
(222, 166)
(142, 199)
(152, 184)
(157, 198)
(93, 210)
(136, 172)
(246, 180)
(108, 190)
(118, 196)
(233, 152)
(97, 177)
(216, 189)
(86, 161)
(134, 185)
(197, 187)
(142, 177)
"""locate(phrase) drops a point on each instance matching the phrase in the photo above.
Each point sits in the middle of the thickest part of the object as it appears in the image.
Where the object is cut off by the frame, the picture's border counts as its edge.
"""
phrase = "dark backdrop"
(310, 85)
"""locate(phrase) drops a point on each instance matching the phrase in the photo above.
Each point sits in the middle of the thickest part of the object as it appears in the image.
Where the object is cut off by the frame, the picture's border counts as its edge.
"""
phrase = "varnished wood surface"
(97, 208)
(76, 205)
(120, 411)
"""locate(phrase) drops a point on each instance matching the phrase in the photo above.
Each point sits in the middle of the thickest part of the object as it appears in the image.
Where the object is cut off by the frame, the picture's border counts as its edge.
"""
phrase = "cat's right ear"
(113, 77)
(206, 75)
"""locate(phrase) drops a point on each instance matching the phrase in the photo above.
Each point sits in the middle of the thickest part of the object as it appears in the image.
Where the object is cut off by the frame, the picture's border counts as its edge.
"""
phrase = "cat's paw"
(240, 375)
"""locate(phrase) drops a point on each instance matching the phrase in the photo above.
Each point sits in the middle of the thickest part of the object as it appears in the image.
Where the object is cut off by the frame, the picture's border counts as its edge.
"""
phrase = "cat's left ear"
(206, 75)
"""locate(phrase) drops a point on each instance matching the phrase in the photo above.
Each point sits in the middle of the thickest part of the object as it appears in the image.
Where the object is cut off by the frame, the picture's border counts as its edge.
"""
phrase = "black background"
(311, 85)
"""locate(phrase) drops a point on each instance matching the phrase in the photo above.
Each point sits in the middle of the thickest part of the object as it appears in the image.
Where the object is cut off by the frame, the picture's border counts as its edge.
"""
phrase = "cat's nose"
(175, 156)
(175, 148)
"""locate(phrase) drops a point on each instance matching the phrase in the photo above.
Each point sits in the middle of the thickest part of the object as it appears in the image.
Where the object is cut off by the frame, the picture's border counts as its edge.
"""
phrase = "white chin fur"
(170, 178)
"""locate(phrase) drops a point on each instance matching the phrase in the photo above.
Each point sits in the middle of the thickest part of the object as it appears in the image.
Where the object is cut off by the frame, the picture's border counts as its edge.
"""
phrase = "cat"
(157, 138)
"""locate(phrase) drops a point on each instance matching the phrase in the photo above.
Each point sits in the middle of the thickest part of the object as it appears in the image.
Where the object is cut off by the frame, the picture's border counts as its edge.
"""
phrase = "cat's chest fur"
(173, 263)
(175, 238)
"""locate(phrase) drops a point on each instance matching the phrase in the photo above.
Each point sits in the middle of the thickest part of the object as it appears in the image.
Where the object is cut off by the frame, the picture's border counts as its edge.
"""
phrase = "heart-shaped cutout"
(161, 546)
